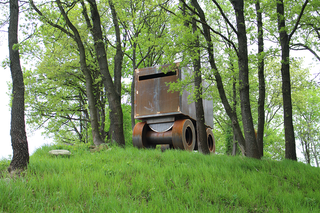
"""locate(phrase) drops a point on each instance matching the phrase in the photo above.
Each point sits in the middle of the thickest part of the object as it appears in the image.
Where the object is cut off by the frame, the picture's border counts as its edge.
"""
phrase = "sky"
(35, 139)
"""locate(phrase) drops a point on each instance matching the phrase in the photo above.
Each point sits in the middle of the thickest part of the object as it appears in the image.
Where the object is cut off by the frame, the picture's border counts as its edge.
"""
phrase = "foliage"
(127, 124)
(129, 180)
(307, 120)
(156, 32)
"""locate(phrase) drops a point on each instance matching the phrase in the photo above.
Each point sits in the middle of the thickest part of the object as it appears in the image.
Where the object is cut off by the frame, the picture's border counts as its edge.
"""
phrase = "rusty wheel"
(183, 135)
(139, 136)
(210, 141)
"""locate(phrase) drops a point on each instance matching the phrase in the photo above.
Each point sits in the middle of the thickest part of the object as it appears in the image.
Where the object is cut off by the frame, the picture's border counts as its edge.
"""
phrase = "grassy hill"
(132, 180)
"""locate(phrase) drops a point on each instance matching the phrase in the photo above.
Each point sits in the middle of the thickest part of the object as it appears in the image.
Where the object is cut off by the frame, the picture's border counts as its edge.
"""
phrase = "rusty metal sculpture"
(167, 117)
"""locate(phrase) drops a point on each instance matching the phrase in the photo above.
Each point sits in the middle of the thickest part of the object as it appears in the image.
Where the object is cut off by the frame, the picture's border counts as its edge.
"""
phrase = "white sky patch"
(35, 140)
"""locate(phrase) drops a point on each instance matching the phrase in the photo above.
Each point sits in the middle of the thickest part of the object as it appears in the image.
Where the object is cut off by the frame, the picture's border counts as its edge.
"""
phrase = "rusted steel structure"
(167, 117)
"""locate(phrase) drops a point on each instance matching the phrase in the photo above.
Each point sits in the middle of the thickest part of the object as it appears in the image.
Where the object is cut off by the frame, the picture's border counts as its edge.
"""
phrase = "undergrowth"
(132, 180)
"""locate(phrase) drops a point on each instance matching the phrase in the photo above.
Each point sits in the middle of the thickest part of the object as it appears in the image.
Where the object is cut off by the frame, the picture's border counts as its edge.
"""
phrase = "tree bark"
(18, 134)
(234, 97)
(235, 143)
(290, 144)
(116, 115)
(97, 140)
(231, 114)
(262, 86)
(118, 58)
(200, 122)
(247, 121)
(133, 83)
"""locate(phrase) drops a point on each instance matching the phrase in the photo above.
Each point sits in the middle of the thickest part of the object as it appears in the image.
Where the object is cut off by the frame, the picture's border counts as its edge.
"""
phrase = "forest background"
(274, 146)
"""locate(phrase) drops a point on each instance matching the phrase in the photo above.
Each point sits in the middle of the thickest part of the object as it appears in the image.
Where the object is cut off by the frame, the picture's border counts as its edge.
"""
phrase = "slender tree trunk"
(262, 87)
(247, 121)
(231, 114)
(235, 143)
(315, 153)
(201, 127)
(118, 58)
(103, 133)
(133, 122)
(307, 151)
(290, 144)
(97, 140)
(18, 134)
(112, 89)
(234, 97)
(133, 83)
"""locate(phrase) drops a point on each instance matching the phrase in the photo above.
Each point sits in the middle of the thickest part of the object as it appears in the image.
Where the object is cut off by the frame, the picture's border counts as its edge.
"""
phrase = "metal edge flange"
(211, 141)
(183, 135)
(139, 136)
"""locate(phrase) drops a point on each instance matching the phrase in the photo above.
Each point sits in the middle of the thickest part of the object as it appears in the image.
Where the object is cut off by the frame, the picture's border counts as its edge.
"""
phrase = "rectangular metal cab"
(154, 104)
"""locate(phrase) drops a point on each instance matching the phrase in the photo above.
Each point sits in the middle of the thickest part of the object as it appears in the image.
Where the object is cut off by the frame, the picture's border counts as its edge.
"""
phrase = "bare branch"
(305, 47)
(298, 20)
(50, 22)
(225, 17)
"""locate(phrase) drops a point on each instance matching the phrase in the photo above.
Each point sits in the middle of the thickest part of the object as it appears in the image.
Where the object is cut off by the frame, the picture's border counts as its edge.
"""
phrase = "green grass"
(132, 180)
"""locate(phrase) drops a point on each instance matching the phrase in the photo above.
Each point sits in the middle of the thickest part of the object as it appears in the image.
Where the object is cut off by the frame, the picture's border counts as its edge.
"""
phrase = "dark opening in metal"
(157, 75)
(188, 136)
(210, 142)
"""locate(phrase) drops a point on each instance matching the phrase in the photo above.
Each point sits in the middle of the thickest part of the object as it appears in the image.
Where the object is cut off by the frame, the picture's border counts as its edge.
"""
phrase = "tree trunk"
(201, 127)
(235, 144)
(290, 144)
(247, 121)
(307, 154)
(116, 115)
(315, 153)
(118, 58)
(18, 134)
(97, 140)
(102, 112)
(231, 114)
(262, 87)
(133, 122)
(234, 97)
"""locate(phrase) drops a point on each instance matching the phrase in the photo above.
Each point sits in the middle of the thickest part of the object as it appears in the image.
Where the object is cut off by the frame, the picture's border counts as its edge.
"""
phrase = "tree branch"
(305, 48)
(298, 20)
(50, 22)
(225, 17)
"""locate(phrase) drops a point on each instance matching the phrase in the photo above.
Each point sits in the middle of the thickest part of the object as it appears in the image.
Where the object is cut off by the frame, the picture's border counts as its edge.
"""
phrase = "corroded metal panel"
(151, 92)
(153, 101)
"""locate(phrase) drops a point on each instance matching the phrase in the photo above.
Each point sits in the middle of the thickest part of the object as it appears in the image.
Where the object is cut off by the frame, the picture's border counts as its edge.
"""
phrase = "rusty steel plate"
(210, 141)
(153, 101)
(159, 137)
(183, 135)
(139, 136)
(151, 92)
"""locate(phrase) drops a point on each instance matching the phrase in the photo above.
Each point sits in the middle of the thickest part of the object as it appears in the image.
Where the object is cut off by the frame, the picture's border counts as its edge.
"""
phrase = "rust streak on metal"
(159, 137)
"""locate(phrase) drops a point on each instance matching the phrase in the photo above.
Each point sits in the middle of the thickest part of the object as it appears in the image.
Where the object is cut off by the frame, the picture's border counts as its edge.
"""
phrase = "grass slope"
(132, 180)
